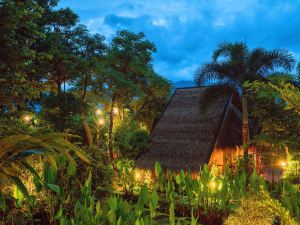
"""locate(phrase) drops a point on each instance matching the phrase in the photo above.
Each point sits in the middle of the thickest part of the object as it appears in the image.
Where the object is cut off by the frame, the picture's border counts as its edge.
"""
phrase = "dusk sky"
(186, 32)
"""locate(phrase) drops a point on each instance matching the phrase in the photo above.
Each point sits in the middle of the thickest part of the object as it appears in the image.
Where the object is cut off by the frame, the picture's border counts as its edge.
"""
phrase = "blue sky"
(186, 32)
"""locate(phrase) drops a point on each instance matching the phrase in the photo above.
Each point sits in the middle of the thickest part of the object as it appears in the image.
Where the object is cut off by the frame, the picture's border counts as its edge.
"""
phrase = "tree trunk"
(88, 133)
(58, 86)
(89, 136)
(111, 125)
(85, 88)
(245, 125)
(138, 111)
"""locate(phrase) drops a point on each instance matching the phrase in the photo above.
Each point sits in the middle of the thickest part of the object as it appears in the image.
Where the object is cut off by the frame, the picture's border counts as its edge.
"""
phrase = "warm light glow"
(282, 163)
(137, 175)
(27, 118)
(98, 112)
(213, 185)
(115, 110)
(100, 122)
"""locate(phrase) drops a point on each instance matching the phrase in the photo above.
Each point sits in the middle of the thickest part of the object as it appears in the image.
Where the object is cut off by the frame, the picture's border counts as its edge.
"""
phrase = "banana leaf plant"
(17, 152)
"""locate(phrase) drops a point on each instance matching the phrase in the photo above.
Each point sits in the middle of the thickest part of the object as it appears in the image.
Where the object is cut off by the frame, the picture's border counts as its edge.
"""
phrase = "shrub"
(260, 209)
(130, 142)
(100, 169)
(291, 171)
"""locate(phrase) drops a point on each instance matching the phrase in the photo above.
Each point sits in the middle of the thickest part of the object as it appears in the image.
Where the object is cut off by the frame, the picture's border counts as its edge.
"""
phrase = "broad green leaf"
(18, 195)
(144, 194)
(158, 169)
(38, 184)
(154, 199)
(21, 186)
(71, 169)
(54, 187)
(172, 214)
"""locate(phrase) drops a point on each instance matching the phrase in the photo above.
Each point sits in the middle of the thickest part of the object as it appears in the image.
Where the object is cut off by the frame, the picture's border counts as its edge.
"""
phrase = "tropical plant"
(275, 114)
(290, 198)
(85, 210)
(234, 63)
(290, 93)
(16, 154)
(261, 209)
(125, 175)
(125, 70)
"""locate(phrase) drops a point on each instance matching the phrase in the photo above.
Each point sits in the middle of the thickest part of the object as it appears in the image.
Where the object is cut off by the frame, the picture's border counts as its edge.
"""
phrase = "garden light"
(100, 122)
(283, 163)
(27, 118)
(115, 110)
(213, 185)
(137, 175)
(98, 112)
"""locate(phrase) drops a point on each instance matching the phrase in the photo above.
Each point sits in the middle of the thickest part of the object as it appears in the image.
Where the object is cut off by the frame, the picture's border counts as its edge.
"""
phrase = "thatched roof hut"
(191, 129)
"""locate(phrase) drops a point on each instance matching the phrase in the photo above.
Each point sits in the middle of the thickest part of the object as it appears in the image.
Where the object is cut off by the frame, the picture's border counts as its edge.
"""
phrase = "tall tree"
(90, 52)
(125, 69)
(235, 63)
(18, 33)
(151, 101)
(58, 26)
(275, 106)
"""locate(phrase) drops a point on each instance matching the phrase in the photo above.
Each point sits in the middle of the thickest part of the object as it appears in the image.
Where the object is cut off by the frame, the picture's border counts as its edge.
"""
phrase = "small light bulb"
(137, 175)
(115, 110)
(27, 118)
(100, 121)
(283, 163)
(213, 185)
(98, 112)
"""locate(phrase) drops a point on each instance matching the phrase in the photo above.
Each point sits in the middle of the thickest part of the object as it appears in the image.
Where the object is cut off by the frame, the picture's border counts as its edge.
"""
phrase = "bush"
(100, 169)
(260, 209)
(130, 143)
(292, 171)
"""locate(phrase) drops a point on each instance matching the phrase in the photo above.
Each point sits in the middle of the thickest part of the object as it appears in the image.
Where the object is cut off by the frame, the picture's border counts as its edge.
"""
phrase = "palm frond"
(223, 50)
(282, 58)
(262, 61)
(234, 52)
(214, 72)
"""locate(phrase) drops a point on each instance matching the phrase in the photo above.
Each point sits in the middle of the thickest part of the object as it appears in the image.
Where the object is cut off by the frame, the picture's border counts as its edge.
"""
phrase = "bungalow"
(192, 132)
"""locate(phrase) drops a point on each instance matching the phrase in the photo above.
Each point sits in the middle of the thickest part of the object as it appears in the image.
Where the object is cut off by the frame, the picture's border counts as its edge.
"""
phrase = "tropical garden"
(76, 111)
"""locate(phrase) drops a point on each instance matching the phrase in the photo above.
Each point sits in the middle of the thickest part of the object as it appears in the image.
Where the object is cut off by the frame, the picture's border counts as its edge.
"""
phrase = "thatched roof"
(185, 135)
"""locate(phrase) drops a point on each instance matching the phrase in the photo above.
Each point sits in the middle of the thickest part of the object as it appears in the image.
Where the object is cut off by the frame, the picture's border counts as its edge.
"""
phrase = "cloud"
(97, 25)
(160, 22)
(186, 31)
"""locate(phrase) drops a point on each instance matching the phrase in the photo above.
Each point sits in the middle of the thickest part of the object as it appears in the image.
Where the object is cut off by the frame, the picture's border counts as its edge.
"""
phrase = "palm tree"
(235, 63)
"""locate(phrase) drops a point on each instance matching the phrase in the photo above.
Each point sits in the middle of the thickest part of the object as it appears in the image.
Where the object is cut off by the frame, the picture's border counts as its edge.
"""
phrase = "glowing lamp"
(100, 122)
(137, 175)
(213, 185)
(115, 110)
(27, 118)
(98, 112)
(283, 163)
